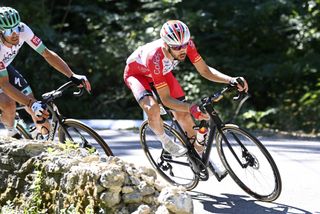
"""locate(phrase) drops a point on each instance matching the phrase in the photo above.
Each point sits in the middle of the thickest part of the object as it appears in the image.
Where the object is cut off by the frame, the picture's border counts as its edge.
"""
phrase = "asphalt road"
(298, 161)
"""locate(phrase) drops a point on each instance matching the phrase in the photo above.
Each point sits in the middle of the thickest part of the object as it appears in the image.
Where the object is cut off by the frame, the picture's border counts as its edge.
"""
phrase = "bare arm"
(211, 73)
(216, 76)
(171, 102)
(14, 93)
(58, 63)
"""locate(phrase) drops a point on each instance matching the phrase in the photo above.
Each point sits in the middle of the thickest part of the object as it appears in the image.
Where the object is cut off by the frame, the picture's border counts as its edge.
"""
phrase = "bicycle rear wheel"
(175, 170)
(83, 135)
(249, 163)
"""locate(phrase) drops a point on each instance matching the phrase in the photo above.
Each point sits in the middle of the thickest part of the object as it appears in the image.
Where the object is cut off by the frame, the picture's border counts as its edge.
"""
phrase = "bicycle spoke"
(249, 164)
(175, 170)
(85, 137)
(84, 142)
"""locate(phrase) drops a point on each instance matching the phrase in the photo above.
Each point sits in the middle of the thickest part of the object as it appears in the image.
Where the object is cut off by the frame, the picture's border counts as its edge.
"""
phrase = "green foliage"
(254, 119)
(68, 145)
(35, 205)
(274, 44)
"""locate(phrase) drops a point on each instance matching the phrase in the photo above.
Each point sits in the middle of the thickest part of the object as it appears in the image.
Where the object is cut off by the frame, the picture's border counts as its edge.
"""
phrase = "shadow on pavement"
(241, 204)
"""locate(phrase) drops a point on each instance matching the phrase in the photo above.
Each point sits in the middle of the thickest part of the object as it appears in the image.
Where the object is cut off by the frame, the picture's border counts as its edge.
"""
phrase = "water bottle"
(34, 132)
(201, 135)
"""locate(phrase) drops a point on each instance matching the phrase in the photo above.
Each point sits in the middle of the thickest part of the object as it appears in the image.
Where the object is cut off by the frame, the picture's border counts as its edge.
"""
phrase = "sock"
(164, 138)
(11, 131)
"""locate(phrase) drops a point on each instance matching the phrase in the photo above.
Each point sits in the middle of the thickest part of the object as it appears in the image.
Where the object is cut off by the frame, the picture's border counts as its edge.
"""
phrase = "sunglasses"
(179, 47)
(9, 32)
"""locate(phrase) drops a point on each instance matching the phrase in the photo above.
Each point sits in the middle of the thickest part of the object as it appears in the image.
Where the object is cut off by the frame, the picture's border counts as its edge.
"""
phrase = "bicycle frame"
(215, 124)
(175, 124)
(236, 148)
(57, 118)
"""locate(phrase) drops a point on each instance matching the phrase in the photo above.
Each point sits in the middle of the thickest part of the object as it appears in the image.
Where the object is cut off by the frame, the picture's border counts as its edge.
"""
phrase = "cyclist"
(13, 87)
(153, 63)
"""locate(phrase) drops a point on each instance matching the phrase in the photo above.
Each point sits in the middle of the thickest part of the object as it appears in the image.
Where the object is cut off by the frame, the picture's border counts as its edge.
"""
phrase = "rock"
(133, 197)
(176, 200)
(110, 199)
(143, 209)
(37, 177)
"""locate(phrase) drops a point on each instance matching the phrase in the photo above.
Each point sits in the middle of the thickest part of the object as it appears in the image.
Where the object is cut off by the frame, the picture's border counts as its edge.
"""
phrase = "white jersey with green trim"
(8, 54)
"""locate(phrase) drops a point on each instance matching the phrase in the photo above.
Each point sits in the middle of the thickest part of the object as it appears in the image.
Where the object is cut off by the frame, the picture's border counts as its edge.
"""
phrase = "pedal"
(198, 168)
(166, 155)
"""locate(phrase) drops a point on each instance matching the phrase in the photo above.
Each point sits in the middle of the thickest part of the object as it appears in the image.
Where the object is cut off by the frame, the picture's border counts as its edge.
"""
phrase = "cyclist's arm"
(58, 63)
(14, 93)
(171, 102)
(50, 56)
(211, 73)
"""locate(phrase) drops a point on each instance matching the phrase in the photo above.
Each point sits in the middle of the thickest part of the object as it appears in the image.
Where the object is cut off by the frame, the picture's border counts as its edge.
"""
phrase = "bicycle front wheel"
(83, 135)
(23, 132)
(249, 163)
(175, 170)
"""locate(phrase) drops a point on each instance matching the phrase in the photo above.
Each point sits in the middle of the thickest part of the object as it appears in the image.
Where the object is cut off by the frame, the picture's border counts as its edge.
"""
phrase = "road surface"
(298, 161)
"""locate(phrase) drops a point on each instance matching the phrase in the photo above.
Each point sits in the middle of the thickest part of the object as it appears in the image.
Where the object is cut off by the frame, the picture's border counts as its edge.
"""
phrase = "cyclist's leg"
(184, 118)
(141, 90)
(8, 113)
(21, 84)
(140, 87)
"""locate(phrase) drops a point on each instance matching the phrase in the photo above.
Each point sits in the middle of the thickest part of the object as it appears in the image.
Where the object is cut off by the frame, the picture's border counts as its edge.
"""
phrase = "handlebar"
(50, 96)
(217, 96)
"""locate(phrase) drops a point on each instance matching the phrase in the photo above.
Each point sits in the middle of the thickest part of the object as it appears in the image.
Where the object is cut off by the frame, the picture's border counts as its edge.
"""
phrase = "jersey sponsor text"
(35, 40)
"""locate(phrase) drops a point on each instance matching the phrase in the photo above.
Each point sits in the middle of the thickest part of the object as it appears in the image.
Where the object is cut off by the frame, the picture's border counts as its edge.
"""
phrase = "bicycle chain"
(198, 168)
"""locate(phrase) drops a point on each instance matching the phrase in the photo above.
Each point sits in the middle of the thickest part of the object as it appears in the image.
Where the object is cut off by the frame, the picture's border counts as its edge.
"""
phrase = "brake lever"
(240, 96)
(78, 93)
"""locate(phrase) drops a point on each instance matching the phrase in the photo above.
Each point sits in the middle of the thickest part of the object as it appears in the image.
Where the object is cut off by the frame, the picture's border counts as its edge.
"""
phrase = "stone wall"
(37, 177)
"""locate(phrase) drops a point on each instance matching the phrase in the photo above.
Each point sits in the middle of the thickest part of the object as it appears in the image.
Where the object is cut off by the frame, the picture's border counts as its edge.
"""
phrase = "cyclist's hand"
(197, 114)
(39, 109)
(240, 82)
(81, 80)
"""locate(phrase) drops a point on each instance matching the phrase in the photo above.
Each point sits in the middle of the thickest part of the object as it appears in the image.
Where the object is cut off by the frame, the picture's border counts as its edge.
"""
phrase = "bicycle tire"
(169, 167)
(234, 134)
(23, 132)
(77, 128)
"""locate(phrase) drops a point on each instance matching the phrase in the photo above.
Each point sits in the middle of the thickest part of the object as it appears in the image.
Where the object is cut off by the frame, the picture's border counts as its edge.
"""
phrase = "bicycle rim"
(258, 175)
(85, 136)
(23, 132)
(175, 170)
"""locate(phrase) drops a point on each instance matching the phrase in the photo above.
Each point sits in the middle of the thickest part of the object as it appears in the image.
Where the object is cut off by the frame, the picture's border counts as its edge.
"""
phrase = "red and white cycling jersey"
(8, 54)
(149, 61)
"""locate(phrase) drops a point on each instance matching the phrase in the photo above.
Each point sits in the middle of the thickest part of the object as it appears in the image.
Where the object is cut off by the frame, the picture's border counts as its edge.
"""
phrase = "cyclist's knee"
(7, 104)
(153, 111)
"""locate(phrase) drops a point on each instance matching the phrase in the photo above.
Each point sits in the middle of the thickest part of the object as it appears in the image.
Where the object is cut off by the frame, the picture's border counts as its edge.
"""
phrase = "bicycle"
(243, 155)
(67, 129)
